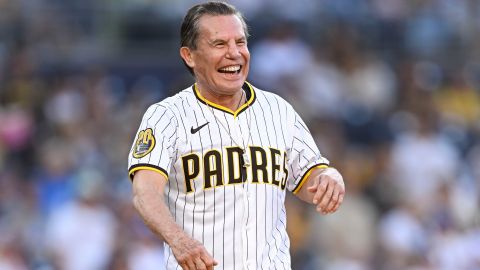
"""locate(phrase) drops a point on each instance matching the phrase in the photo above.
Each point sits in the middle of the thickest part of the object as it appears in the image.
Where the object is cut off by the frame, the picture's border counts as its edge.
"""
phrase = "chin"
(231, 85)
(235, 86)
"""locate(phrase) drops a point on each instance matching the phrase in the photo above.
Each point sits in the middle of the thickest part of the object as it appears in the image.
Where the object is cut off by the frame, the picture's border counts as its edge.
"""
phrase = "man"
(210, 165)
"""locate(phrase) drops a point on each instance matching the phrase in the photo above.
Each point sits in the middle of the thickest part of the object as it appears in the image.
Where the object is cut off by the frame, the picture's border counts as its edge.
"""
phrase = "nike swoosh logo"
(195, 130)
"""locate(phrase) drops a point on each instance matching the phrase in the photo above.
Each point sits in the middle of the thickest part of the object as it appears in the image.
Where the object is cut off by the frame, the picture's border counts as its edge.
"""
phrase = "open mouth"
(235, 69)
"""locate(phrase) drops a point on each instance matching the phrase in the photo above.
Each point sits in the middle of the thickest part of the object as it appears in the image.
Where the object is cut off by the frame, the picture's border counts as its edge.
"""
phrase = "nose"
(233, 51)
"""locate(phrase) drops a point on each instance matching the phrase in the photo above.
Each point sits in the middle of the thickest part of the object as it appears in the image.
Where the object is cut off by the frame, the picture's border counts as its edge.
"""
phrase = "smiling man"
(211, 165)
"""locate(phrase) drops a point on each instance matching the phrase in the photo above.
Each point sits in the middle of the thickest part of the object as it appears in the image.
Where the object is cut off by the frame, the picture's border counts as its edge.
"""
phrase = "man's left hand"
(328, 190)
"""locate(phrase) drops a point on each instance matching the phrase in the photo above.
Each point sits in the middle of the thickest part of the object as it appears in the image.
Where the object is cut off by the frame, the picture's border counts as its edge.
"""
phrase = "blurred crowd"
(389, 88)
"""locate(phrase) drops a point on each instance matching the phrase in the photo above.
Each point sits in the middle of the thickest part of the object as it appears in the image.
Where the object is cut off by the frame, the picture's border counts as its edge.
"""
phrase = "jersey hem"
(145, 166)
(306, 175)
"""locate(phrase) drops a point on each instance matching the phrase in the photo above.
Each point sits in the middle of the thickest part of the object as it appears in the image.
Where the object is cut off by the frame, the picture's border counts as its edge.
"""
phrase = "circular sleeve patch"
(144, 143)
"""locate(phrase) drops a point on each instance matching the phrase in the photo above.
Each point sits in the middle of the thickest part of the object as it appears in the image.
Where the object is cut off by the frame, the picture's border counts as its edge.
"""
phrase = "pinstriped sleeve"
(303, 155)
(154, 142)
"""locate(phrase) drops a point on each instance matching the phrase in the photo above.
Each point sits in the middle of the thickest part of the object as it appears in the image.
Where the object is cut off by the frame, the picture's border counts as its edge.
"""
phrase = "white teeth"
(231, 68)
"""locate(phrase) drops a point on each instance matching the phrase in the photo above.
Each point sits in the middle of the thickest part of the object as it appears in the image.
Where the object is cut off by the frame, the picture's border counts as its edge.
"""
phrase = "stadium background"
(389, 88)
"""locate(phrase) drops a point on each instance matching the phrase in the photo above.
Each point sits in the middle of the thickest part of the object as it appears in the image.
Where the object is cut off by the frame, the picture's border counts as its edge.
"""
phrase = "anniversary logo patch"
(144, 144)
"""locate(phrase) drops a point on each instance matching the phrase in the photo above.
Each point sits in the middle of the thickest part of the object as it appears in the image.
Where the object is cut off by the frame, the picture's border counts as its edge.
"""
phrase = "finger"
(185, 266)
(190, 264)
(340, 200)
(321, 188)
(199, 264)
(327, 197)
(334, 200)
(208, 260)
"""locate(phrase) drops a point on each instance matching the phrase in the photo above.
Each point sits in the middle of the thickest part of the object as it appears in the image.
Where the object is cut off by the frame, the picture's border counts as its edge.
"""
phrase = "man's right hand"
(191, 254)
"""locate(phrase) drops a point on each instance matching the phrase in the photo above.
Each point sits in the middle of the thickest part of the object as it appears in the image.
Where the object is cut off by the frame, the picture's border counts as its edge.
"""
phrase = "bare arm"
(148, 199)
(324, 188)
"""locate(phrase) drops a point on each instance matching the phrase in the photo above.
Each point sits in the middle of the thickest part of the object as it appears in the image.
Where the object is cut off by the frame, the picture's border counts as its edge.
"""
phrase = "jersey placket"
(241, 125)
(235, 122)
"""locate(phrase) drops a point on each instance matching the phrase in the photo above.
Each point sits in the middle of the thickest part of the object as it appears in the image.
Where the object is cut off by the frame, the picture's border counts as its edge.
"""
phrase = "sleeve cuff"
(150, 167)
(306, 175)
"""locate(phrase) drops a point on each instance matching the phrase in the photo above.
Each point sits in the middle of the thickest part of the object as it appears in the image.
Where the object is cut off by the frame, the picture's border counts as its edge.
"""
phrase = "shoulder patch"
(144, 143)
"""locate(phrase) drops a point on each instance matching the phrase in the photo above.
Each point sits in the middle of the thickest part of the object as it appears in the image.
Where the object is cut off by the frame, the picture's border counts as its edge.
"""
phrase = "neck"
(232, 101)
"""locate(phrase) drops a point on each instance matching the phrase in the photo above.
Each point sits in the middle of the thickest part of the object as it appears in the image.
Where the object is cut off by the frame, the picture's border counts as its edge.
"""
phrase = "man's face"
(221, 59)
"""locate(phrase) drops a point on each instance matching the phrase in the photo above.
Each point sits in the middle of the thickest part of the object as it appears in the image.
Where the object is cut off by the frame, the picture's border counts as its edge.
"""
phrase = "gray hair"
(190, 29)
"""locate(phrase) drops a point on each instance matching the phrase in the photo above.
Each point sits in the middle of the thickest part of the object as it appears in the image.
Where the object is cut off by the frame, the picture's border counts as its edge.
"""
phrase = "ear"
(187, 57)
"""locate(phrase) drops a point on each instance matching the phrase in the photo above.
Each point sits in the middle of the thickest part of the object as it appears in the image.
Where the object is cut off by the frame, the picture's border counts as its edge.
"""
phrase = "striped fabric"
(237, 212)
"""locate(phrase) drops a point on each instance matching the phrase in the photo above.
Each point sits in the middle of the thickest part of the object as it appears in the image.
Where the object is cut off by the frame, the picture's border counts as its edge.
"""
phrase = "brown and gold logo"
(144, 144)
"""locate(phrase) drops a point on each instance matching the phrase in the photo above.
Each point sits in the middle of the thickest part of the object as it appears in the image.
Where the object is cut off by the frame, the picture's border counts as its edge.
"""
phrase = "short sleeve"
(154, 142)
(303, 155)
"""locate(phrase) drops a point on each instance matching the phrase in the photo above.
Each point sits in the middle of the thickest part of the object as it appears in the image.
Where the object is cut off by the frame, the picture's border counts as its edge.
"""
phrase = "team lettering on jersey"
(268, 166)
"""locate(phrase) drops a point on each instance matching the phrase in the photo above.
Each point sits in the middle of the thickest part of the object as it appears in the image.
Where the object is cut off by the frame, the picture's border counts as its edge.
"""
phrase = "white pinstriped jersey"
(237, 212)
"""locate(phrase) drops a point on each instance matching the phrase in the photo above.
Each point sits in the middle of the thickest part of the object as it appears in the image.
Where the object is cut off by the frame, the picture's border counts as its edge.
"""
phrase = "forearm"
(148, 199)
(149, 202)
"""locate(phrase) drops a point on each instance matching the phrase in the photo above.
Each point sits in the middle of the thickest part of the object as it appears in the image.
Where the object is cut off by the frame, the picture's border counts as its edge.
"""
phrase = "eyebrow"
(216, 41)
(219, 40)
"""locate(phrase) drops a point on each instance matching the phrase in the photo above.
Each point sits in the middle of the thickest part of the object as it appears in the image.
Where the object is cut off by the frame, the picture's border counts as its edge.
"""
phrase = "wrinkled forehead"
(221, 27)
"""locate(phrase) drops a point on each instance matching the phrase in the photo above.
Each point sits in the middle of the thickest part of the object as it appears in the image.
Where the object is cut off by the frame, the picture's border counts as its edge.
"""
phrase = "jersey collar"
(247, 87)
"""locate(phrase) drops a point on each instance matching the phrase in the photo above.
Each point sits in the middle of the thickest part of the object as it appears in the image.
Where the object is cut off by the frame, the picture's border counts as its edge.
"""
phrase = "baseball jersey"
(228, 172)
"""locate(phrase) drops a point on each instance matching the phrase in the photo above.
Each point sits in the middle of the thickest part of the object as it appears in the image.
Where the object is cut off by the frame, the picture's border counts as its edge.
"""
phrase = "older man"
(211, 165)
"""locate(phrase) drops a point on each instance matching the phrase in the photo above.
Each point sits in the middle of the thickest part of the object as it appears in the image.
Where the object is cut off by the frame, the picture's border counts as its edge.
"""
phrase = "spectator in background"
(280, 57)
(422, 160)
(81, 234)
(347, 239)
(54, 179)
(402, 236)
